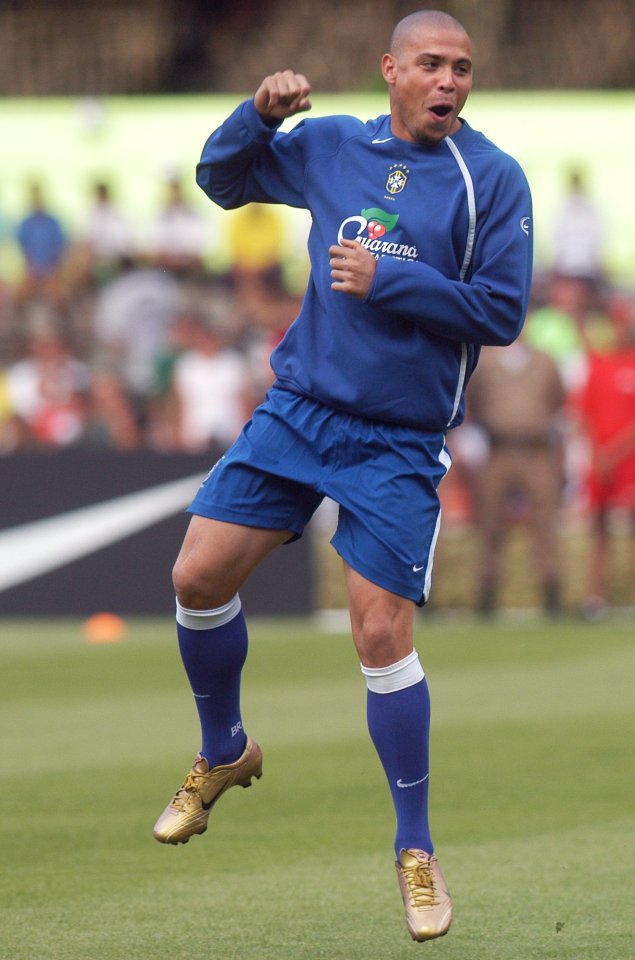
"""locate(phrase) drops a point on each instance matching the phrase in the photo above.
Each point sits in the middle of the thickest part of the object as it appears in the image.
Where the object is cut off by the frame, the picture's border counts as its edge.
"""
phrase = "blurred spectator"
(112, 421)
(46, 392)
(43, 242)
(7, 316)
(7, 255)
(567, 326)
(607, 409)
(6, 228)
(578, 233)
(108, 236)
(7, 233)
(179, 235)
(266, 309)
(516, 397)
(256, 237)
(211, 389)
(8, 440)
(132, 315)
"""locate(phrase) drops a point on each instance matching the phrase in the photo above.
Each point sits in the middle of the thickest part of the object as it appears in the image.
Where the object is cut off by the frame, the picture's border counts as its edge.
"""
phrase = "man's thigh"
(217, 557)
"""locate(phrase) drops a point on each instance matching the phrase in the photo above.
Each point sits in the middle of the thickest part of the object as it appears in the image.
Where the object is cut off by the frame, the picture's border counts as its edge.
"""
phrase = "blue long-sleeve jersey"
(450, 225)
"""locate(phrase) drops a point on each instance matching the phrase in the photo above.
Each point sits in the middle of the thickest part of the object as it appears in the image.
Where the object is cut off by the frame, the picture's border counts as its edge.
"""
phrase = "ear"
(389, 68)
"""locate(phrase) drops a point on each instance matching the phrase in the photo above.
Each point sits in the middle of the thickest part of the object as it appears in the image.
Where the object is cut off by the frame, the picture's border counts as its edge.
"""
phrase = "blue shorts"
(295, 451)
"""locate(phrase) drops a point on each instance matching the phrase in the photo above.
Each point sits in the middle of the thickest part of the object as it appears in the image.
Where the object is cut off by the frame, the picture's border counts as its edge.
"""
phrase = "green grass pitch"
(532, 798)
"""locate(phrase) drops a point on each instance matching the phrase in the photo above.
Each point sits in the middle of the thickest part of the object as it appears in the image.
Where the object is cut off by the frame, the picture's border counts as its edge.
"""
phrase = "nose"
(446, 78)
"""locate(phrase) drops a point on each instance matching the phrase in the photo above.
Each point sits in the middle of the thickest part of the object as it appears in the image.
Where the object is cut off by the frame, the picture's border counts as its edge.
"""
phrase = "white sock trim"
(396, 676)
(208, 619)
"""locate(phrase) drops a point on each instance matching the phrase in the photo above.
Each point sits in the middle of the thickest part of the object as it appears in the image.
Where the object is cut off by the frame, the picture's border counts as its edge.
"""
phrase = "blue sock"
(213, 645)
(399, 725)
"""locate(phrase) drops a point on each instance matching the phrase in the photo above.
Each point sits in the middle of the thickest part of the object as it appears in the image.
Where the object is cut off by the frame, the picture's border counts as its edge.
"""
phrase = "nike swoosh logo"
(416, 569)
(385, 140)
(415, 783)
(33, 549)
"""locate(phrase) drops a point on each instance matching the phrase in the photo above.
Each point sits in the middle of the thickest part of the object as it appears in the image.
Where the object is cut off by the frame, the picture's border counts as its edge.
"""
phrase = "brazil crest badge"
(397, 178)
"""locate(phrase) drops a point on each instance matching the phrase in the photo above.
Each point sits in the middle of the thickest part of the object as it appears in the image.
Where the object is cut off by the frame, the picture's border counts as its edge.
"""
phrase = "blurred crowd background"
(120, 335)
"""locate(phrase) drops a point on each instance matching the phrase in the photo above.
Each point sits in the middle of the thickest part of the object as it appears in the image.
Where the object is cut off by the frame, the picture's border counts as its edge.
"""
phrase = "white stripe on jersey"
(467, 259)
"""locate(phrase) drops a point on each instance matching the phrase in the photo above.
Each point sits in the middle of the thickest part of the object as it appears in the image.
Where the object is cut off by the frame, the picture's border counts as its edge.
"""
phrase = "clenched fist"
(282, 95)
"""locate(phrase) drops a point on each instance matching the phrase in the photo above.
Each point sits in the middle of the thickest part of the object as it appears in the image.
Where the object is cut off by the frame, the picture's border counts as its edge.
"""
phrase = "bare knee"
(216, 558)
(382, 622)
(197, 587)
(382, 639)
(207, 572)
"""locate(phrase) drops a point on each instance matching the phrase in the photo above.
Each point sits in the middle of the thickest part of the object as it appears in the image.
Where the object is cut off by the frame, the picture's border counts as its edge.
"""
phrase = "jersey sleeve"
(488, 307)
(245, 160)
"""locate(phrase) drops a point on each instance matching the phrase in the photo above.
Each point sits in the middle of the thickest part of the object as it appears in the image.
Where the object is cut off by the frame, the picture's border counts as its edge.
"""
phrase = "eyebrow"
(463, 61)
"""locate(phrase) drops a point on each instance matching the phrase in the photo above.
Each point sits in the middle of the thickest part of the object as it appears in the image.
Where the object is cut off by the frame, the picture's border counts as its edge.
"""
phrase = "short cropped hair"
(432, 18)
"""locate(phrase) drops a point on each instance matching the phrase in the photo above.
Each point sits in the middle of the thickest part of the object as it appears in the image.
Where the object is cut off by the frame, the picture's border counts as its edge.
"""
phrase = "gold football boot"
(425, 895)
(188, 811)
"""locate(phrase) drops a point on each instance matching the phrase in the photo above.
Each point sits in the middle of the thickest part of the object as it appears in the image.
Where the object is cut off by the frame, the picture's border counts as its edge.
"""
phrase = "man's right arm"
(244, 160)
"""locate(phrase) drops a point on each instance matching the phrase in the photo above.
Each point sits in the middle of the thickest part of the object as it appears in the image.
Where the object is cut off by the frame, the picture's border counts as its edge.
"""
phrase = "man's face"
(429, 77)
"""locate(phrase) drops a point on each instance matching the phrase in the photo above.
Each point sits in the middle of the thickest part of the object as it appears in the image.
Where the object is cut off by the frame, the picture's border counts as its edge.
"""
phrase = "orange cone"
(104, 628)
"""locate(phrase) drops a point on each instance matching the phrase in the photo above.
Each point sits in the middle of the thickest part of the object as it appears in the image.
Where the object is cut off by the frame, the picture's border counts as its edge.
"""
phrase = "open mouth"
(441, 110)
